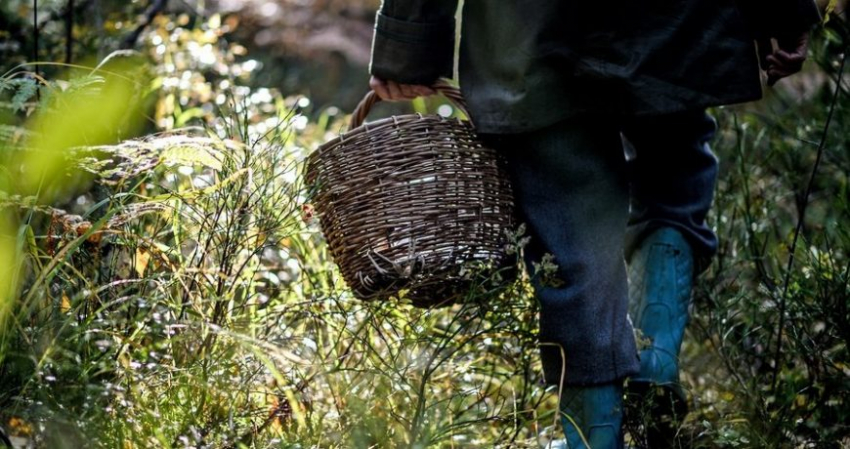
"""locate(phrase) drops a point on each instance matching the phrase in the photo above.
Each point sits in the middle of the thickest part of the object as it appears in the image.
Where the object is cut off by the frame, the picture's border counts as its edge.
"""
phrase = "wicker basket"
(409, 202)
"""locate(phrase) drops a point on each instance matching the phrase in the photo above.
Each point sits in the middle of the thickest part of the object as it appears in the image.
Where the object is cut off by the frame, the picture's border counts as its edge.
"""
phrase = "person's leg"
(572, 194)
(592, 416)
(672, 174)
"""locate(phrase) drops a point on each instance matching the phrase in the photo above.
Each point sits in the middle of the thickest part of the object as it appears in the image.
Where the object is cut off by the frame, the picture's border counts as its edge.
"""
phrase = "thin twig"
(35, 43)
(800, 221)
(69, 32)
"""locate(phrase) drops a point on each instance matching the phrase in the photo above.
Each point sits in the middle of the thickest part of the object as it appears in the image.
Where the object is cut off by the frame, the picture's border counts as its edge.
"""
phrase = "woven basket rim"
(366, 127)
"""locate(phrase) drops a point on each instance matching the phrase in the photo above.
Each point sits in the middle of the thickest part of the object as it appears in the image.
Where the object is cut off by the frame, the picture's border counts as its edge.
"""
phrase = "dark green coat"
(525, 64)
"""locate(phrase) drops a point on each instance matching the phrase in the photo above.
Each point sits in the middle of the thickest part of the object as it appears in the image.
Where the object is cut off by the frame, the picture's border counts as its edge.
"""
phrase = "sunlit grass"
(165, 290)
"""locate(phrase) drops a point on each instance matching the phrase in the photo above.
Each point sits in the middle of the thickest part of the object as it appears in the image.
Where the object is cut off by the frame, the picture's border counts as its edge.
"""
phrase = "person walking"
(558, 86)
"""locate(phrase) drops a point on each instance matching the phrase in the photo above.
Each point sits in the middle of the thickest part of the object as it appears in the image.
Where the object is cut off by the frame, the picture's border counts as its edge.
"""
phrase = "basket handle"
(442, 86)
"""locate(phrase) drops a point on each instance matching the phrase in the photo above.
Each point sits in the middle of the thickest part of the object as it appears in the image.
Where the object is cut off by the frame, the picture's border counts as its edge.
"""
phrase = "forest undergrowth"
(164, 283)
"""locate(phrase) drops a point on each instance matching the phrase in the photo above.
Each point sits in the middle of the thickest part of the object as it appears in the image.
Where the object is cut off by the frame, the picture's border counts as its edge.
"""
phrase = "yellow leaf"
(124, 360)
(830, 7)
(142, 259)
(65, 306)
(20, 427)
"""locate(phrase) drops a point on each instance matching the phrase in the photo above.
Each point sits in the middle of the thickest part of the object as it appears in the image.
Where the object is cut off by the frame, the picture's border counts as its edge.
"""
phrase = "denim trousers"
(588, 189)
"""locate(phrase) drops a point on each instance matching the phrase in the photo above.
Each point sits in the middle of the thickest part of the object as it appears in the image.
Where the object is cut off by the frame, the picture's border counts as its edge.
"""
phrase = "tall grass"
(179, 296)
(172, 289)
(769, 336)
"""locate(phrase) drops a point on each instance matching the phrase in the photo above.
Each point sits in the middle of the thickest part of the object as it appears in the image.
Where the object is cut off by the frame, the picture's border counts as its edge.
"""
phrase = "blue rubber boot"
(592, 416)
(661, 275)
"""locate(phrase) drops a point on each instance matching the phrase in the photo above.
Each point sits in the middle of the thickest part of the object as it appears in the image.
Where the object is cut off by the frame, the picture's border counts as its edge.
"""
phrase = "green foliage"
(24, 90)
(164, 285)
(98, 28)
(183, 300)
(770, 328)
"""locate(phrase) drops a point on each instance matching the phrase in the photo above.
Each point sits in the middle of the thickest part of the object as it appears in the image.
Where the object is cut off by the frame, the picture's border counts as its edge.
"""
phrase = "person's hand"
(786, 59)
(393, 91)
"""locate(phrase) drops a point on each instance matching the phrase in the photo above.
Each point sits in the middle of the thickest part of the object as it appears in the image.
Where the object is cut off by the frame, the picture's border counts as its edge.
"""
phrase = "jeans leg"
(672, 175)
(572, 194)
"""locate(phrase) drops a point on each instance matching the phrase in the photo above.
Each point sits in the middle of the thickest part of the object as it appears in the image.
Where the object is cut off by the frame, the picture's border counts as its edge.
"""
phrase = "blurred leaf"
(24, 90)
(184, 117)
(141, 261)
(419, 105)
(192, 154)
(65, 304)
(11, 258)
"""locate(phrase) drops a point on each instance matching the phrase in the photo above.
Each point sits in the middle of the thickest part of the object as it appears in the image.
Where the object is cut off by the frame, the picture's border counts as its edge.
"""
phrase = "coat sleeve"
(414, 41)
(773, 18)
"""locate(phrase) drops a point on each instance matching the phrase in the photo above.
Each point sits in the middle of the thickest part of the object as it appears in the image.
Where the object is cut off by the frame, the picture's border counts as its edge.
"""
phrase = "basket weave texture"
(409, 202)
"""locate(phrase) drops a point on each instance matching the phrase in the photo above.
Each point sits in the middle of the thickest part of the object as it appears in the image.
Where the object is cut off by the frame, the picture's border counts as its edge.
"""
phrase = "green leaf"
(192, 154)
(27, 89)
(24, 89)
